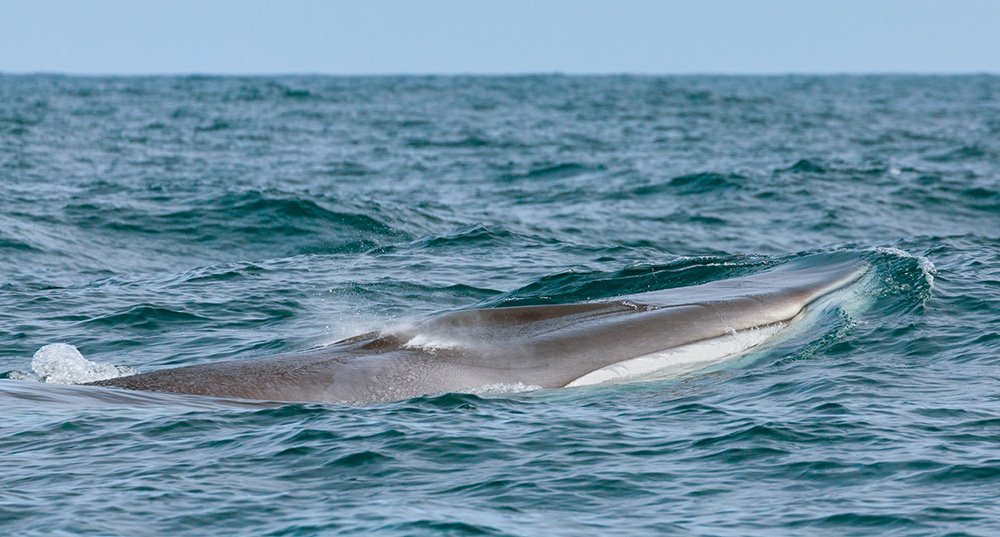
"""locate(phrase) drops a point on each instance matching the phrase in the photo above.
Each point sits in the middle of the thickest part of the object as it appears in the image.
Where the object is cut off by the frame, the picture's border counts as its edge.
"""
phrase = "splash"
(61, 363)
(926, 265)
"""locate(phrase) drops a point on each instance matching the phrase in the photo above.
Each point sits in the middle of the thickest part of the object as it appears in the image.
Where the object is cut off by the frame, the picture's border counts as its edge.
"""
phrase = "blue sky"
(510, 36)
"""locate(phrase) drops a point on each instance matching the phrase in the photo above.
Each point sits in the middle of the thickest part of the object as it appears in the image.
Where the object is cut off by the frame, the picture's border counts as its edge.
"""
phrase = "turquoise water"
(165, 221)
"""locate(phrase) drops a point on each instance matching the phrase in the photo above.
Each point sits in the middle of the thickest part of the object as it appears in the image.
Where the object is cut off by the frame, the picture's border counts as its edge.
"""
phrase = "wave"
(270, 90)
(260, 208)
(553, 171)
(265, 224)
(345, 168)
(966, 152)
(146, 317)
(14, 244)
(807, 166)
(464, 142)
(577, 285)
(475, 235)
(696, 183)
(842, 169)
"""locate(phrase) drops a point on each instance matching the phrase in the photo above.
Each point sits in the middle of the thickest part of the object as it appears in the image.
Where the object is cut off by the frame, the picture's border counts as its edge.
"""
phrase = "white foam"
(926, 265)
(502, 388)
(60, 363)
(682, 360)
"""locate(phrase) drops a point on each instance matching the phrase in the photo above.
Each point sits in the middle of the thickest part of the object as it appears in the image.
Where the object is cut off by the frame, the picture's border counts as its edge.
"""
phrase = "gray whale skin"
(539, 346)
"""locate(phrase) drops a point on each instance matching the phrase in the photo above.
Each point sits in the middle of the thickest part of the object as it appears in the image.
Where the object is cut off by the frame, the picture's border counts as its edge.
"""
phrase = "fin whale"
(549, 346)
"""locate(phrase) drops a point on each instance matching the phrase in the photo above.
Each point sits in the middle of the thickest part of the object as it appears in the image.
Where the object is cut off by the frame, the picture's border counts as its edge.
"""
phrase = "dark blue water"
(156, 222)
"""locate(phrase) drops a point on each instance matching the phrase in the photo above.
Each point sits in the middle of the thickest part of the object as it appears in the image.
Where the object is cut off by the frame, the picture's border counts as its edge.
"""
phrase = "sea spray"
(61, 363)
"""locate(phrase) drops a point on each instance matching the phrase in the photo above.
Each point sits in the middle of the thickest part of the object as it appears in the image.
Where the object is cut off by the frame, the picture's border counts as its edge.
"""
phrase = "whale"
(526, 347)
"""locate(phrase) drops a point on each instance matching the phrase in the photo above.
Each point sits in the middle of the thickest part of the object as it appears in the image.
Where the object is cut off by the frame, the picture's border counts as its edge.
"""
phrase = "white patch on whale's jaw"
(682, 360)
(431, 343)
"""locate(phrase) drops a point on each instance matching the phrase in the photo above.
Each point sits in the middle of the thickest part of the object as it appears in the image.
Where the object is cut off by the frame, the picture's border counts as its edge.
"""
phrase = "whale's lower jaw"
(685, 359)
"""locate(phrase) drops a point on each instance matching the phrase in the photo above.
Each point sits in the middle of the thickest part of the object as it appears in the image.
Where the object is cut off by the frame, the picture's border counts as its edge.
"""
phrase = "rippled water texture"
(157, 222)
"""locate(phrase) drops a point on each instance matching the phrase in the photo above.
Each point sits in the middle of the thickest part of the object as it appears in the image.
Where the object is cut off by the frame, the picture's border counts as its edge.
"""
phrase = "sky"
(131, 37)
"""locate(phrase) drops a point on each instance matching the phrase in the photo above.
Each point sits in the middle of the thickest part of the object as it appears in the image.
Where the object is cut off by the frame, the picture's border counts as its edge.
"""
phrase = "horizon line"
(235, 74)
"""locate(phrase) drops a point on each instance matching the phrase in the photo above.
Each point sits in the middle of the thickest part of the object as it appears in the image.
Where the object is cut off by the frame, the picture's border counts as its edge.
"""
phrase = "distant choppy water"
(154, 222)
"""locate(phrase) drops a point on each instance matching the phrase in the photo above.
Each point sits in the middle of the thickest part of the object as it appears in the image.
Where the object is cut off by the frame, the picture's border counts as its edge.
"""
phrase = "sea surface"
(166, 221)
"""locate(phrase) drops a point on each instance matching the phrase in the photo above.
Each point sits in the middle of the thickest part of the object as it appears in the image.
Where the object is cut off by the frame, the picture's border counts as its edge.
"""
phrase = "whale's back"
(546, 346)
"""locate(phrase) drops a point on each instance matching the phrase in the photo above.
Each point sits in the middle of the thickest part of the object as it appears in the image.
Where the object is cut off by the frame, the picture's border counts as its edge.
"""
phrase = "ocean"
(154, 222)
